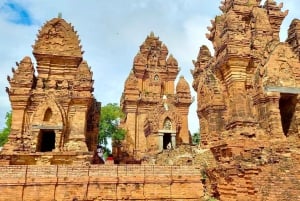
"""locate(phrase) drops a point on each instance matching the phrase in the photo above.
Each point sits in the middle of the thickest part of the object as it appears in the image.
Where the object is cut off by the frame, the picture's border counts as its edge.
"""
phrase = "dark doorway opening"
(46, 140)
(287, 106)
(166, 140)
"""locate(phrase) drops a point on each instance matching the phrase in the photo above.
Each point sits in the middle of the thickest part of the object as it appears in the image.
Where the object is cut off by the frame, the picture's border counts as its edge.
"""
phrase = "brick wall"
(256, 171)
(105, 182)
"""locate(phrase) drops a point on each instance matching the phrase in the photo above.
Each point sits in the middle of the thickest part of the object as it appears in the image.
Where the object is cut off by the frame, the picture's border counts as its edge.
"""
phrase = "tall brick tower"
(248, 102)
(54, 114)
(156, 114)
(243, 88)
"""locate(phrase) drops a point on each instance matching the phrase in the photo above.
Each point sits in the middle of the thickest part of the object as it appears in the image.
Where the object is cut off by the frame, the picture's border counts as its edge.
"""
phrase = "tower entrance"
(46, 141)
(166, 140)
(287, 106)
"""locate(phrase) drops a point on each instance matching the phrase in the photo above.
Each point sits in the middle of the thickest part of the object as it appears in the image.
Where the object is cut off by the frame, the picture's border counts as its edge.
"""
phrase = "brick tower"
(248, 102)
(251, 84)
(156, 114)
(54, 114)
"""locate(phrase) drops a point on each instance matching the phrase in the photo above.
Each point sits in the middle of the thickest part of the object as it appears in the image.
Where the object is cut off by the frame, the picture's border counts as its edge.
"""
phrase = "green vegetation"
(109, 124)
(196, 138)
(6, 130)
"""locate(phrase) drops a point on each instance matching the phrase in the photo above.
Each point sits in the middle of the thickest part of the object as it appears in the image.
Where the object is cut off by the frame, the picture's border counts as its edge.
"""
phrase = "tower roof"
(84, 69)
(131, 81)
(57, 37)
(182, 86)
(172, 61)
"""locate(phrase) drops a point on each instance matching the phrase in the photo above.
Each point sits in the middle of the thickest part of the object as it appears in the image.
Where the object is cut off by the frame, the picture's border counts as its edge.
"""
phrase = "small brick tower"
(54, 114)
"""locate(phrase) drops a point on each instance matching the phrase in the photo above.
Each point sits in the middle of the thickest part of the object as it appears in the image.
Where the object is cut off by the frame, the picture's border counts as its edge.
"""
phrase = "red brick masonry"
(105, 182)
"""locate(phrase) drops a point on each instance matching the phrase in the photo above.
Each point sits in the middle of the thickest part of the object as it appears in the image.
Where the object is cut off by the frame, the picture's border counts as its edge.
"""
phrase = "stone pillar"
(173, 140)
(160, 141)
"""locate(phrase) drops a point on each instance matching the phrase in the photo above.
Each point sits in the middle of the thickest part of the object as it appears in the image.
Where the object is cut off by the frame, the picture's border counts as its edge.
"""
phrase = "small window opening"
(48, 115)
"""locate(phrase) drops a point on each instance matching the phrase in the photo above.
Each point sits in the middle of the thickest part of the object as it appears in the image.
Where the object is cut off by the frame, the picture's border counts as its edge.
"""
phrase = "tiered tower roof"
(57, 37)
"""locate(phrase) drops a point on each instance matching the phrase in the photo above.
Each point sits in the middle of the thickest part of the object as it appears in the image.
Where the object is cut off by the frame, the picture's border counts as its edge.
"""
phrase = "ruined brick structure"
(248, 103)
(54, 114)
(156, 114)
(55, 127)
(248, 108)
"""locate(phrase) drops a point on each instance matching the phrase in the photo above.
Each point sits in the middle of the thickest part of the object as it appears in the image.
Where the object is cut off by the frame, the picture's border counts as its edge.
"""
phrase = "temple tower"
(156, 112)
(248, 100)
(54, 113)
(251, 84)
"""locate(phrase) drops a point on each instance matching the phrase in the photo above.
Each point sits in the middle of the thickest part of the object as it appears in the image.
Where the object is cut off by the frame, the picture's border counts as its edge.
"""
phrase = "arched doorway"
(46, 141)
(167, 136)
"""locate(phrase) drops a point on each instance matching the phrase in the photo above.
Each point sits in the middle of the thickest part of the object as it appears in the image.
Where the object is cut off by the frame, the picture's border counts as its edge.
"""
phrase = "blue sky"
(111, 33)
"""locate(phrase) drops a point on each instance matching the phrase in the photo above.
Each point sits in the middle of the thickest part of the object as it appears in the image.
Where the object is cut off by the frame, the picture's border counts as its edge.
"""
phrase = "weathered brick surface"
(101, 182)
(11, 192)
(37, 192)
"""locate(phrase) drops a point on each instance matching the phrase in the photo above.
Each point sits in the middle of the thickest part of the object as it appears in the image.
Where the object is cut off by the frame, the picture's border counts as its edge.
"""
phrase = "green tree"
(111, 115)
(6, 130)
(196, 138)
